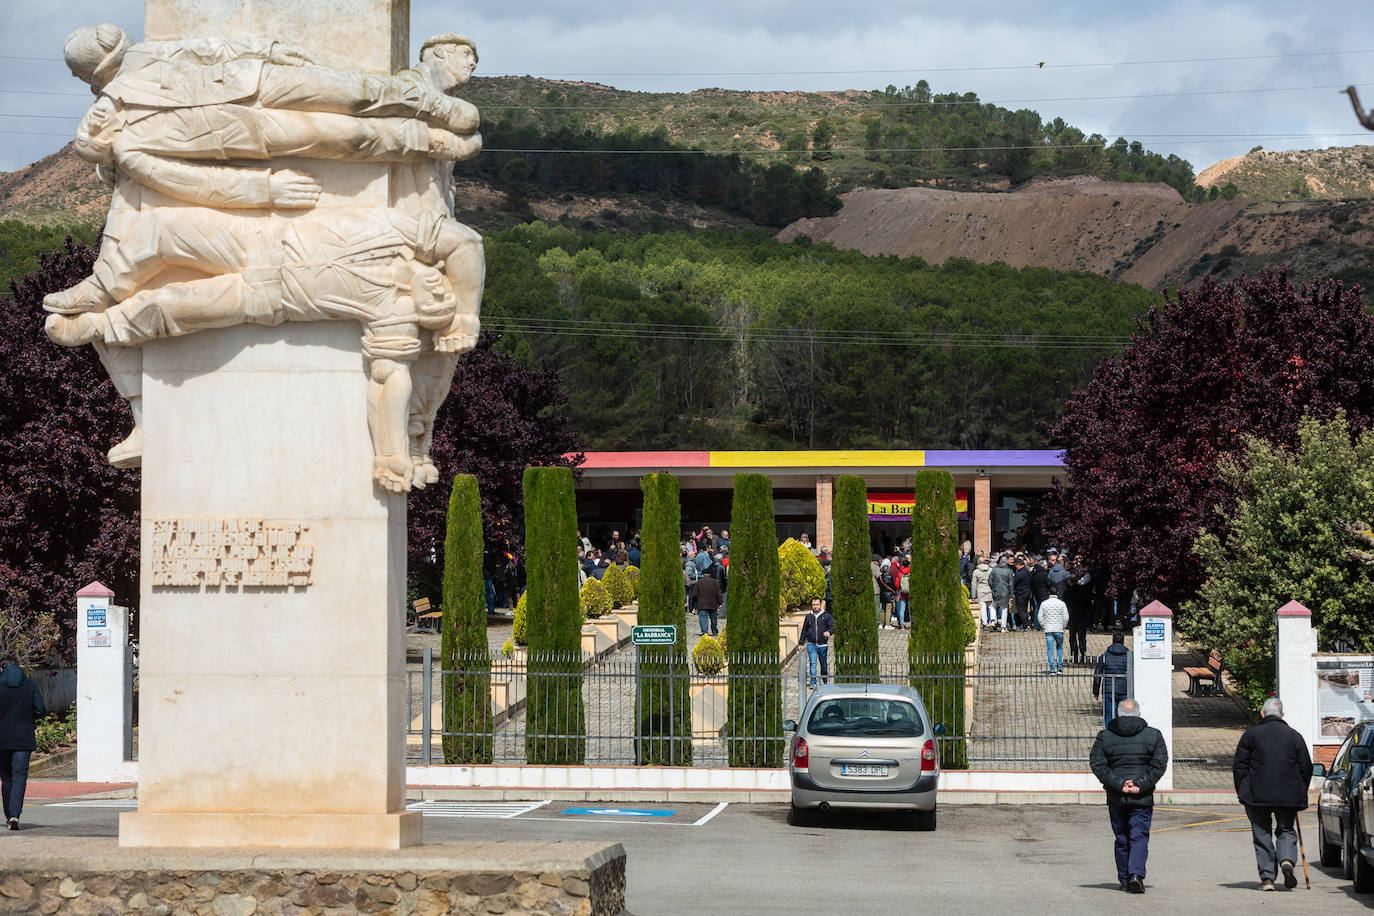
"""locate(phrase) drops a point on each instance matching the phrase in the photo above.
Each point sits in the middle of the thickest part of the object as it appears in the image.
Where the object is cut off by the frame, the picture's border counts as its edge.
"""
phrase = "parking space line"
(93, 803)
(1222, 820)
(712, 813)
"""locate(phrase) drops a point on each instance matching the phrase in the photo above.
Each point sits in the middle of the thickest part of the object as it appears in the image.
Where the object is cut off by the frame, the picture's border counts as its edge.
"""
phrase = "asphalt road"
(705, 859)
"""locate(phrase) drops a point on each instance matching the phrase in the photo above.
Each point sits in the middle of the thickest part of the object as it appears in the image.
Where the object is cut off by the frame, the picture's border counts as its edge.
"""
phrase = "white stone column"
(1296, 669)
(1153, 657)
(270, 715)
(104, 696)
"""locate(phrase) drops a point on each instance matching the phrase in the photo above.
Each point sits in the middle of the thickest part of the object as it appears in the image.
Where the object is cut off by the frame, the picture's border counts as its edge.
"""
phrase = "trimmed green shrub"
(755, 701)
(618, 586)
(938, 611)
(465, 665)
(708, 655)
(594, 598)
(520, 628)
(851, 585)
(665, 704)
(632, 574)
(508, 648)
(801, 576)
(555, 721)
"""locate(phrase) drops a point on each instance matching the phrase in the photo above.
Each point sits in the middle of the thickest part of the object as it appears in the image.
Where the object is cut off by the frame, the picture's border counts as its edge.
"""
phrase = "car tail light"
(929, 759)
(801, 754)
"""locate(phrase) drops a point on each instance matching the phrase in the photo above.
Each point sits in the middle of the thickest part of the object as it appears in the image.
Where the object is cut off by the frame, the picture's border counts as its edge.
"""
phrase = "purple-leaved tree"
(66, 516)
(1204, 369)
(500, 417)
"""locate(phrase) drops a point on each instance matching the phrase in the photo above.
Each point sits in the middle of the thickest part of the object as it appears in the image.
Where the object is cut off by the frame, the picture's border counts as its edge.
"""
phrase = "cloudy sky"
(1203, 80)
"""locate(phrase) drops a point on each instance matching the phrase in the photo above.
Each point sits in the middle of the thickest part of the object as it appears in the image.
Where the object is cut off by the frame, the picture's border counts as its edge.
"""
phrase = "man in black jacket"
(1129, 758)
(1109, 677)
(1272, 768)
(20, 705)
(817, 628)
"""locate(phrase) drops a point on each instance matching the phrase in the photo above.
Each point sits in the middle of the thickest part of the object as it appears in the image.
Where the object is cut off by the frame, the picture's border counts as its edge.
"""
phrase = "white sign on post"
(1154, 640)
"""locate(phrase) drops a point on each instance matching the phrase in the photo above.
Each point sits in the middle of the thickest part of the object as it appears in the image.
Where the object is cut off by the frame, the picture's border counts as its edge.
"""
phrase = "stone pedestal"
(272, 690)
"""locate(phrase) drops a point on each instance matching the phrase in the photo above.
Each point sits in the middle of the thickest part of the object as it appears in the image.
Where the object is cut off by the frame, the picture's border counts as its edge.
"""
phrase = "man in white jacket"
(1054, 615)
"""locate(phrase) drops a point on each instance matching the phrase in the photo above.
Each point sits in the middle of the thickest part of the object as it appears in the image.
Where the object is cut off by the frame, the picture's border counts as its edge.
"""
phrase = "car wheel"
(1349, 854)
(799, 817)
(1362, 873)
(1330, 852)
(924, 820)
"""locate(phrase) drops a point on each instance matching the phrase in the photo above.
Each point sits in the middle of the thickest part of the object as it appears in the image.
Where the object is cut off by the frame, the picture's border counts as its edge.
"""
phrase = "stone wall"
(582, 884)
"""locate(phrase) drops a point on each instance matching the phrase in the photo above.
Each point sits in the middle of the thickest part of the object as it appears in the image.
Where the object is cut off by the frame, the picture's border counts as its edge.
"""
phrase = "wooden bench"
(424, 617)
(1211, 674)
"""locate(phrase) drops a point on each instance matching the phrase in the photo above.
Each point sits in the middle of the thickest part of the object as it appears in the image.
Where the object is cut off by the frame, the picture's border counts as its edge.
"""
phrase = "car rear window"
(855, 716)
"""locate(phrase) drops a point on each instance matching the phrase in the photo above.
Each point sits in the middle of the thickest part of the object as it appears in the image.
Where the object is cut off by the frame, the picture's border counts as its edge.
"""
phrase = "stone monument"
(281, 294)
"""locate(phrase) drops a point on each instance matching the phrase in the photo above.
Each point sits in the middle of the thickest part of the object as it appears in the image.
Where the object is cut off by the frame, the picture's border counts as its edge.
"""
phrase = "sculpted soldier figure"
(184, 122)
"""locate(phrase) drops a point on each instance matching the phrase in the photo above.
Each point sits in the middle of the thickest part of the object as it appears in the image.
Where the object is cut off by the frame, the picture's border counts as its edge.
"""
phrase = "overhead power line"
(780, 335)
(1035, 65)
(1038, 65)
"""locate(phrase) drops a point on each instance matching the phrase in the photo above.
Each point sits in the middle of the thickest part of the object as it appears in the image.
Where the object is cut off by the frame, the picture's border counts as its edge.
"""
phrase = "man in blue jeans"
(20, 705)
(1109, 677)
(816, 631)
(1054, 616)
(1129, 758)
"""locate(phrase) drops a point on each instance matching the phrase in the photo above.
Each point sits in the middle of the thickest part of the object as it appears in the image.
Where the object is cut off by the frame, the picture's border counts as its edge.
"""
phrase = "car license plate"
(862, 769)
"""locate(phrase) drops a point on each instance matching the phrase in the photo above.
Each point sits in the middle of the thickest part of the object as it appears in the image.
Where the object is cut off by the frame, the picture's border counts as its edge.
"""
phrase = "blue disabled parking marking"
(622, 812)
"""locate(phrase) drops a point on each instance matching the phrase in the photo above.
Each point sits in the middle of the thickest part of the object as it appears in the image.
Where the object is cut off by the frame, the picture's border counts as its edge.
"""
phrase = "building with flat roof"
(992, 489)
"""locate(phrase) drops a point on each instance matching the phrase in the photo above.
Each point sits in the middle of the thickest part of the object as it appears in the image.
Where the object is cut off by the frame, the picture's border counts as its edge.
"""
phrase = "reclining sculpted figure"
(393, 272)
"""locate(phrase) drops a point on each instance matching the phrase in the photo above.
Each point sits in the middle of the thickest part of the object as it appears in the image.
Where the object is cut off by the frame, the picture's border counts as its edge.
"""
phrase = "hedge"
(464, 662)
(938, 610)
(555, 721)
(851, 585)
(664, 726)
(754, 667)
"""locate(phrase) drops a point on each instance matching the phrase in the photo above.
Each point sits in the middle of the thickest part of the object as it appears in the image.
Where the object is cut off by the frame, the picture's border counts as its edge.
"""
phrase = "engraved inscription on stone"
(231, 552)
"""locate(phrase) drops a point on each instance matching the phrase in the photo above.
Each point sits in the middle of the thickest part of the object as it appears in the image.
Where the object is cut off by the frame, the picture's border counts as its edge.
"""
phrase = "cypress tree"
(665, 703)
(465, 664)
(936, 645)
(755, 725)
(851, 585)
(555, 722)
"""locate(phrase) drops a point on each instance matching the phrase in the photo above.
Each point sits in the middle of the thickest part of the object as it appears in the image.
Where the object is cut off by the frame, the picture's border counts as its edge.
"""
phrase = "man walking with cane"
(1272, 769)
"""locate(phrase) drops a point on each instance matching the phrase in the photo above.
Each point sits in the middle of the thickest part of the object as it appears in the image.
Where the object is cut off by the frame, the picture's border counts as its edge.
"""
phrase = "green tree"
(851, 584)
(555, 722)
(873, 138)
(465, 665)
(822, 138)
(755, 726)
(800, 575)
(938, 610)
(1284, 541)
(665, 705)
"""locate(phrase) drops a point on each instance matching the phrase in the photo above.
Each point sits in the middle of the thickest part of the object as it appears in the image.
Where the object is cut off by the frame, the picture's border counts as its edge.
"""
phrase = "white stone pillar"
(1296, 669)
(104, 696)
(1153, 656)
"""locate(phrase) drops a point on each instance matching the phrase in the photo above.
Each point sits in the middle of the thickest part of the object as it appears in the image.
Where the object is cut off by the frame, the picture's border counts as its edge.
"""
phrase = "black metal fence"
(638, 707)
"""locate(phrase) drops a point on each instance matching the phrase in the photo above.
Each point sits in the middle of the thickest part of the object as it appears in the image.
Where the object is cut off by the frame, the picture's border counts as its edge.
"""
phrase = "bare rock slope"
(1139, 233)
(56, 189)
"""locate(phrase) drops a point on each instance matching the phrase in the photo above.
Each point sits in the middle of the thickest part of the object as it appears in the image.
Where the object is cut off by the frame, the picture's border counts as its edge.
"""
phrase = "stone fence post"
(104, 689)
(1296, 669)
(1153, 656)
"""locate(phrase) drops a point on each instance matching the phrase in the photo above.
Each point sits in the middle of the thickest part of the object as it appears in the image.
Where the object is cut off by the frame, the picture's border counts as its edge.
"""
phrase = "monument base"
(85, 875)
(272, 831)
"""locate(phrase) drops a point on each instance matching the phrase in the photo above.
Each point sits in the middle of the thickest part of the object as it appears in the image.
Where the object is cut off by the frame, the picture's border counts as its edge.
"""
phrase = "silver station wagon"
(864, 746)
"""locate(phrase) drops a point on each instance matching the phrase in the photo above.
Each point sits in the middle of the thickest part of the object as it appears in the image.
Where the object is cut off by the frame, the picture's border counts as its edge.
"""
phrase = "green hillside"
(892, 137)
(733, 339)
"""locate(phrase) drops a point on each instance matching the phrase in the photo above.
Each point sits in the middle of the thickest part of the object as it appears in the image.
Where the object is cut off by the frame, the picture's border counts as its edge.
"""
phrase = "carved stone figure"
(202, 123)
